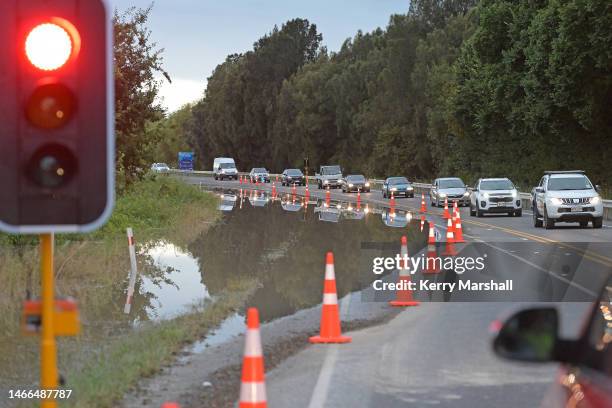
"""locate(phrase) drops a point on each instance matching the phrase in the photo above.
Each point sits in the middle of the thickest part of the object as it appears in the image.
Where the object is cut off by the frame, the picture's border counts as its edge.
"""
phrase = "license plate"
(501, 204)
(576, 209)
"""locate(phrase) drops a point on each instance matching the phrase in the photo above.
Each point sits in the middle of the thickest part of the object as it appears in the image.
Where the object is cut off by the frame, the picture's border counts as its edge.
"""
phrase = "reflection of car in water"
(259, 199)
(585, 375)
(352, 213)
(397, 219)
(228, 201)
(329, 213)
(289, 204)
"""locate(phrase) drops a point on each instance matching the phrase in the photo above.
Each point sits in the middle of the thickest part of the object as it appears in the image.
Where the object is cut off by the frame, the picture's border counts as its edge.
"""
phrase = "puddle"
(181, 286)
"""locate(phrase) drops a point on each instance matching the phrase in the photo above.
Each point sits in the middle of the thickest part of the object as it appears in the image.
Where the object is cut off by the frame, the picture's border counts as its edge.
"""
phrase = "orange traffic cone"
(330, 314)
(404, 293)
(446, 214)
(423, 209)
(455, 211)
(170, 405)
(293, 190)
(358, 197)
(240, 179)
(327, 196)
(457, 229)
(450, 240)
(253, 386)
(392, 200)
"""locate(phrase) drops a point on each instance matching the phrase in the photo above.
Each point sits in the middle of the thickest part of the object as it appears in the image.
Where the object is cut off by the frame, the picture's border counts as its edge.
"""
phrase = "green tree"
(137, 59)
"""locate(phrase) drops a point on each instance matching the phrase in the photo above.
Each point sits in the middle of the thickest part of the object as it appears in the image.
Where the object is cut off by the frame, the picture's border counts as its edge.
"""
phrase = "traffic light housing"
(56, 115)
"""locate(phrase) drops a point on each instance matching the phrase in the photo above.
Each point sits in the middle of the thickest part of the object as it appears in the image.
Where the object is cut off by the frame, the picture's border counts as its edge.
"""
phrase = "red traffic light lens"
(52, 166)
(48, 46)
(50, 106)
(51, 44)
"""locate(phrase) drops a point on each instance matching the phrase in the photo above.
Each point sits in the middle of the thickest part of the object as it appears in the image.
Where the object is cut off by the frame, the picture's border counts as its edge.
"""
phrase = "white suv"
(495, 195)
(566, 196)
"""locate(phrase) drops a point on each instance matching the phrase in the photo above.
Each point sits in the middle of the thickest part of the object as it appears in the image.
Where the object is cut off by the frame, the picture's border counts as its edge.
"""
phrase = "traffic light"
(56, 115)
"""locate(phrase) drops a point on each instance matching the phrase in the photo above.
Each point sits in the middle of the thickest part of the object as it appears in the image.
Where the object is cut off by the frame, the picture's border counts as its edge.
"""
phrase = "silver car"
(495, 195)
(566, 196)
(451, 188)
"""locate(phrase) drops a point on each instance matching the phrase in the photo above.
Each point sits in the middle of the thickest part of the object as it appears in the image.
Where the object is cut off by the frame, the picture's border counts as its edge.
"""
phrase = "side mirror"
(529, 335)
(539, 189)
(475, 190)
(597, 188)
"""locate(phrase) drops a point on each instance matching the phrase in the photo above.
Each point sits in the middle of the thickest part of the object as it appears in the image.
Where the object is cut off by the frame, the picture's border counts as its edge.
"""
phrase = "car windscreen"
(496, 185)
(331, 170)
(294, 172)
(569, 183)
(398, 180)
(259, 170)
(227, 166)
(356, 179)
(451, 183)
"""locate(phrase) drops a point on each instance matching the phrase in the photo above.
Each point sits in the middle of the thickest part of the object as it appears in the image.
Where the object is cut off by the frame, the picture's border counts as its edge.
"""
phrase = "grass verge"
(143, 352)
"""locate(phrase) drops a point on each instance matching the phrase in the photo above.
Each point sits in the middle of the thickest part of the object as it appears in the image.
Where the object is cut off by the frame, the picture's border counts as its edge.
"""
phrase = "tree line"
(458, 87)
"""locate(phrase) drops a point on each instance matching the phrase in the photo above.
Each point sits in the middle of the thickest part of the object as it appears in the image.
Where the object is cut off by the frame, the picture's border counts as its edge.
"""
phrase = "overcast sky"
(197, 35)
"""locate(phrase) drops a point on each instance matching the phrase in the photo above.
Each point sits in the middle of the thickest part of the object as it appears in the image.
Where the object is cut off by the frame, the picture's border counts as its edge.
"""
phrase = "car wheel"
(597, 222)
(216, 178)
(584, 224)
(479, 213)
(548, 223)
(472, 211)
(537, 223)
(518, 213)
(411, 195)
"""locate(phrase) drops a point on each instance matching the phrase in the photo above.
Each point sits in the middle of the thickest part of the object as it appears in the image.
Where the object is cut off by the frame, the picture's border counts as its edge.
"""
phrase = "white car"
(224, 167)
(566, 196)
(495, 195)
(160, 168)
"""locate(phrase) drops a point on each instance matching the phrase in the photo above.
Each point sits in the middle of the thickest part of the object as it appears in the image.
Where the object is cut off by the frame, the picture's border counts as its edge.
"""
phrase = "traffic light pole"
(48, 349)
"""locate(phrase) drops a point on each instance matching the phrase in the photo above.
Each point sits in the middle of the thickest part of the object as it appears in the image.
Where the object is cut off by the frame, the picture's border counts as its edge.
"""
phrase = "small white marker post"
(133, 271)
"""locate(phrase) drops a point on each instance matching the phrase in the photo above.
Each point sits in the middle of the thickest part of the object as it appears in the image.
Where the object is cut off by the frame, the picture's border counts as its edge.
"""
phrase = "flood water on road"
(283, 241)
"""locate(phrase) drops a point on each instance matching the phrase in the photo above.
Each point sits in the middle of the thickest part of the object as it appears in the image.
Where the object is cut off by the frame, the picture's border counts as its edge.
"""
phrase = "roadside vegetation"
(458, 87)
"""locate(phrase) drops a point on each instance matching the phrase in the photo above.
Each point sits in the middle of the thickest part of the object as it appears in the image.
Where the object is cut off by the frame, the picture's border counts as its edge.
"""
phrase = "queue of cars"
(561, 196)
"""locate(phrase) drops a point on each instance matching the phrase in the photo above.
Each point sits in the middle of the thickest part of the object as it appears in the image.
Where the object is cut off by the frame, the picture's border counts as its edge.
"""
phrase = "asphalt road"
(439, 354)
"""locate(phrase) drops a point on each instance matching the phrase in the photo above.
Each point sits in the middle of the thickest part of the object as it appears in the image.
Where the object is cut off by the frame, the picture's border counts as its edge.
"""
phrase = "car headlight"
(325, 181)
(350, 184)
(556, 201)
(367, 184)
(410, 188)
(514, 193)
(442, 195)
(393, 188)
(595, 200)
(467, 193)
(485, 196)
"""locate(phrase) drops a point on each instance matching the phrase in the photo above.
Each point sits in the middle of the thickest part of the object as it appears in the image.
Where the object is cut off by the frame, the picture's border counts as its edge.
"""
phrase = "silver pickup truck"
(329, 177)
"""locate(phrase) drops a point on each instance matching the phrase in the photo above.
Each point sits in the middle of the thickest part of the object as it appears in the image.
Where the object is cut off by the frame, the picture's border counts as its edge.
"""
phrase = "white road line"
(321, 389)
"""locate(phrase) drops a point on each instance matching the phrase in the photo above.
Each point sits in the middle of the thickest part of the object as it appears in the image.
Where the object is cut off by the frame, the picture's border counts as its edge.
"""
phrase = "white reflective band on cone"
(330, 299)
(252, 345)
(253, 392)
(329, 272)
